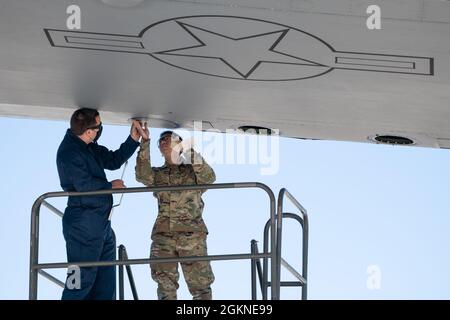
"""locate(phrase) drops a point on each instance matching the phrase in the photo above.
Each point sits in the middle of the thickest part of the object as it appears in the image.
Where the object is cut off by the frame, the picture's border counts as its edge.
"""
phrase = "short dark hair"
(170, 133)
(82, 119)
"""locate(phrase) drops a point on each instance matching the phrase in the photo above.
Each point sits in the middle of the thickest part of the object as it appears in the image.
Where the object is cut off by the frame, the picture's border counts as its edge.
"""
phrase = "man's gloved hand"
(187, 145)
(184, 148)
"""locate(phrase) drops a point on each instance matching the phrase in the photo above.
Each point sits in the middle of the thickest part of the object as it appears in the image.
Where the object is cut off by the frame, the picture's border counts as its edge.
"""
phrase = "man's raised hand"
(134, 132)
(187, 144)
(143, 132)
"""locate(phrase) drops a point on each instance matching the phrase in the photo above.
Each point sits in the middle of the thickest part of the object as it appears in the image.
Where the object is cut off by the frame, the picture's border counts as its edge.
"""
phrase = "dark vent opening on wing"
(388, 139)
(256, 130)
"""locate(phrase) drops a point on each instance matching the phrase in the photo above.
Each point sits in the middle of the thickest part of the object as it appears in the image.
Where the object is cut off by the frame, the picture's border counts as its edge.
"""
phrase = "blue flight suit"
(86, 228)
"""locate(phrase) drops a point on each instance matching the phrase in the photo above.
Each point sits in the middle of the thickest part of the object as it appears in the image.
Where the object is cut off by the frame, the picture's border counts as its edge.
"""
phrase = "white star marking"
(243, 55)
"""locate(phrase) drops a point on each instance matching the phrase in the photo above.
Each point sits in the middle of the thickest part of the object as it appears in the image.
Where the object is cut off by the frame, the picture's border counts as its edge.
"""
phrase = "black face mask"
(99, 133)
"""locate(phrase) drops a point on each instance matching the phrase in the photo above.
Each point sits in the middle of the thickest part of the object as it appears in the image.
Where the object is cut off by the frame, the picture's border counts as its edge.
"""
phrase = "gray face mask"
(99, 133)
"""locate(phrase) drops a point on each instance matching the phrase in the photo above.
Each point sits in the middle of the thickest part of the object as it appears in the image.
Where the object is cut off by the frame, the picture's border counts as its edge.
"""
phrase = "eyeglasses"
(96, 127)
(169, 138)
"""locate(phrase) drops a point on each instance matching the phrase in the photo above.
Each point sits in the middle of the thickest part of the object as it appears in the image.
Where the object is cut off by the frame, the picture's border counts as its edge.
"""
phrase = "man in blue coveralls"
(86, 228)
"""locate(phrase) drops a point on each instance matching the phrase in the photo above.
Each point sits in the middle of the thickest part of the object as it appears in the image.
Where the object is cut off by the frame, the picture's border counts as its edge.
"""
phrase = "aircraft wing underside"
(312, 69)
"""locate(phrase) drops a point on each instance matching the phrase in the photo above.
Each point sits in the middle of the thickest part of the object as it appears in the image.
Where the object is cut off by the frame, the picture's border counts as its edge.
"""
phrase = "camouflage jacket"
(178, 211)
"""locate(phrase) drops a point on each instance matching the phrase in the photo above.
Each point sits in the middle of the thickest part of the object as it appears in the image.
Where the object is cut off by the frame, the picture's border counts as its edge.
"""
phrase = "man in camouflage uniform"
(179, 229)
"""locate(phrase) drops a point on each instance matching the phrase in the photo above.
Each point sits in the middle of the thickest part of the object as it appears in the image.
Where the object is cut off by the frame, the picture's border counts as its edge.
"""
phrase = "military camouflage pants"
(198, 275)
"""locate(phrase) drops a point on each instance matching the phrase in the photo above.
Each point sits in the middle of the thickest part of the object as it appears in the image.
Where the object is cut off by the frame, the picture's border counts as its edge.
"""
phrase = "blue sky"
(368, 205)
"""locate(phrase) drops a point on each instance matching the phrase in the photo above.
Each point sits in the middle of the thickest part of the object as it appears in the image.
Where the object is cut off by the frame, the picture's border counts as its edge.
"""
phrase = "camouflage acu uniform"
(179, 229)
